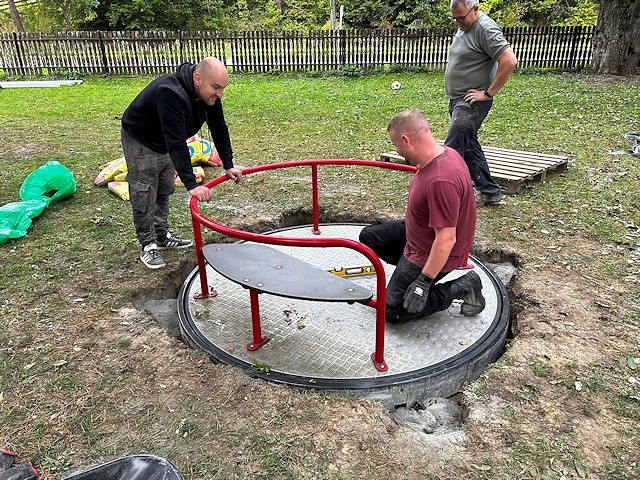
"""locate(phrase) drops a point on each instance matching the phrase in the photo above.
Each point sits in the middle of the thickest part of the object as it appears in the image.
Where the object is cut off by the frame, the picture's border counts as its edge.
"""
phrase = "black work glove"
(415, 298)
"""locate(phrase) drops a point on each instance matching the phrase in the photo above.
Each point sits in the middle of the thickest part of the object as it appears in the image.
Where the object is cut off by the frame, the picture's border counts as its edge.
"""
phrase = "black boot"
(468, 288)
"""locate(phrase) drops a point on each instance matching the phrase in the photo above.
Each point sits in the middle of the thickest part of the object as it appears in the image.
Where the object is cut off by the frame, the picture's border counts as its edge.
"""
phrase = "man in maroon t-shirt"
(437, 231)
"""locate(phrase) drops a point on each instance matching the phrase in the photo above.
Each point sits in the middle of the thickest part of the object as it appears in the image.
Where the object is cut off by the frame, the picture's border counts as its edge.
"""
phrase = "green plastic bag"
(15, 218)
(47, 184)
(52, 180)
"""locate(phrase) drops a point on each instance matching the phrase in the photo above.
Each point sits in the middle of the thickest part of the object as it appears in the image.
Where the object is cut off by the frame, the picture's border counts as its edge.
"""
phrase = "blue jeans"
(387, 240)
(462, 136)
(151, 179)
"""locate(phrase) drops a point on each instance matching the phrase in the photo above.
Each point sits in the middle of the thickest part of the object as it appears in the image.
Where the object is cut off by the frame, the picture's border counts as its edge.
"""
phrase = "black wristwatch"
(487, 94)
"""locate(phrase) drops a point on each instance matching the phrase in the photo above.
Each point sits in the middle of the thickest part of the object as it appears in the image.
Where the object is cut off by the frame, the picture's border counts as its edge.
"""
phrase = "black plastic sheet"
(6, 458)
(24, 471)
(133, 467)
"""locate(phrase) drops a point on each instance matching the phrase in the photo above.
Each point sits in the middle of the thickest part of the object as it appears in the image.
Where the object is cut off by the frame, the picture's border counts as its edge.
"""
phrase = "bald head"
(409, 131)
(408, 122)
(211, 65)
(210, 79)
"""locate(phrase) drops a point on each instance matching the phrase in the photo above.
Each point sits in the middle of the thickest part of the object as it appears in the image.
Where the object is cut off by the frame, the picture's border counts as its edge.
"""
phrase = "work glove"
(415, 298)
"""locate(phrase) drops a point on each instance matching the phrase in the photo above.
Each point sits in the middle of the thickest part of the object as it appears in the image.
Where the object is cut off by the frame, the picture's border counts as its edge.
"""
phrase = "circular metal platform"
(328, 345)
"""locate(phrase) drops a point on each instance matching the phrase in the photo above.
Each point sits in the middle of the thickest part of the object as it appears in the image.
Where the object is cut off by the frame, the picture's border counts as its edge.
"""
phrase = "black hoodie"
(167, 112)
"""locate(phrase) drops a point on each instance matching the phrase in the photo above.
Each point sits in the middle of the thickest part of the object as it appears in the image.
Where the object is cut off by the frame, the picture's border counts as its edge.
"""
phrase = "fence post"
(232, 49)
(20, 60)
(103, 54)
(343, 46)
(577, 32)
(180, 48)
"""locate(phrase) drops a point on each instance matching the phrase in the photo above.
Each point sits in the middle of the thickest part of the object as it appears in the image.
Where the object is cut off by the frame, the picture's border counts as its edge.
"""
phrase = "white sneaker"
(151, 258)
(172, 242)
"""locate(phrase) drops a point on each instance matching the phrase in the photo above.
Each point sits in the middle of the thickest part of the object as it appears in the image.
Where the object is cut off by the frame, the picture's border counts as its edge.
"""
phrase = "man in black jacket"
(155, 128)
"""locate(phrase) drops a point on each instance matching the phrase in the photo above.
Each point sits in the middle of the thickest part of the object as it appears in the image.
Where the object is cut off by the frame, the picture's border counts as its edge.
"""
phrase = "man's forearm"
(440, 251)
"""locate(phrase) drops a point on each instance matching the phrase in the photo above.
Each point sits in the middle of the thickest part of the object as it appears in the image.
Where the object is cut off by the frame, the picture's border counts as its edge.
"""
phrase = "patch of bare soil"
(546, 389)
(609, 79)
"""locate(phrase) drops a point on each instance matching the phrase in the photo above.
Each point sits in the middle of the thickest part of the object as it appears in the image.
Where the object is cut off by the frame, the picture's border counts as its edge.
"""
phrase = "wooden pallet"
(511, 167)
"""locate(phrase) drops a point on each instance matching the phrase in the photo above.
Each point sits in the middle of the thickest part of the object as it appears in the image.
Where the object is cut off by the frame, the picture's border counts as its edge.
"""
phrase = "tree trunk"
(616, 40)
(65, 12)
(15, 16)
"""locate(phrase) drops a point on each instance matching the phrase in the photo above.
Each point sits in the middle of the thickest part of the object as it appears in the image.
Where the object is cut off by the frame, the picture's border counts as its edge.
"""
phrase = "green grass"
(63, 283)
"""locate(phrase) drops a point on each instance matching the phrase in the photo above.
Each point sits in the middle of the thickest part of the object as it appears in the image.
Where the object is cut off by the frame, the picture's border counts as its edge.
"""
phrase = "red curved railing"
(199, 219)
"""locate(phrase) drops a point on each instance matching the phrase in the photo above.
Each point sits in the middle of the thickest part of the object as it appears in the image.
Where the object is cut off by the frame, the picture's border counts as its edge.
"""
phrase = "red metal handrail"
(199, 219)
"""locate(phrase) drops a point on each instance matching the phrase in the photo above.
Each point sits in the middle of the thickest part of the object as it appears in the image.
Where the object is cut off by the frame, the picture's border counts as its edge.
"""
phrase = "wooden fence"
(134, 52)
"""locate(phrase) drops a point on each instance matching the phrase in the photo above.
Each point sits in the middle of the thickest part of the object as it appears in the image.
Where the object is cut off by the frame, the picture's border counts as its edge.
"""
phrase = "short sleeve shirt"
(440, 195)
(472, 55)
